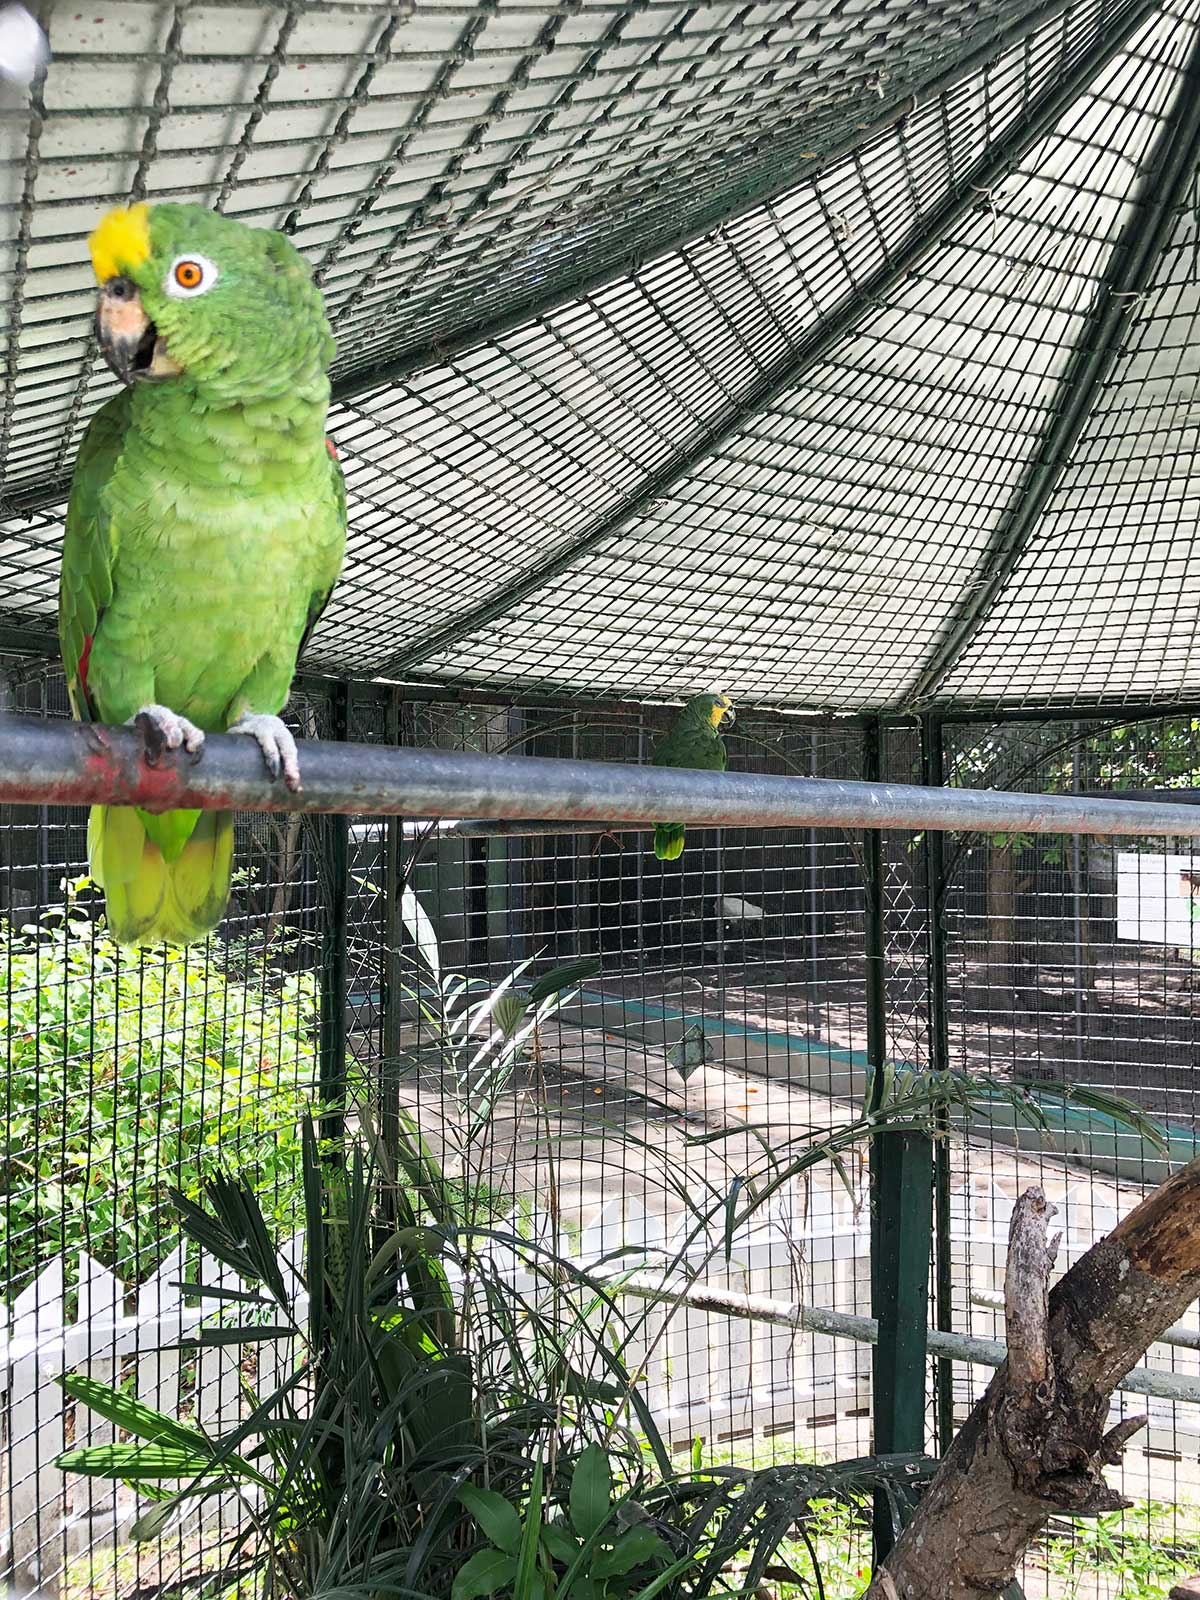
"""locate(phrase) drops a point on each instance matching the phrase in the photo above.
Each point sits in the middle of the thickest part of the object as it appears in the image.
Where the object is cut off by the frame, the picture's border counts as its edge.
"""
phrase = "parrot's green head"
(188, 294)
(715, 709)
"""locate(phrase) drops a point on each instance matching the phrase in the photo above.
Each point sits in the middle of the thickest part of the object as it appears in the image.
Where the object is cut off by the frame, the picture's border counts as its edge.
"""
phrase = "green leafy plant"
(1144, 1550)
(800, 1524)
(446, 1431)
(407, 1386)
(916, 1100)
(602, 1546)
(442, 1432)
(937, 1104)
(129, 1074)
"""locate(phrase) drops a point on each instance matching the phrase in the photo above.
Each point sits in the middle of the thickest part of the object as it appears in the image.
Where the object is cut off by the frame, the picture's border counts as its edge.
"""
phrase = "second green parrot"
(205, 530)
(695, 741)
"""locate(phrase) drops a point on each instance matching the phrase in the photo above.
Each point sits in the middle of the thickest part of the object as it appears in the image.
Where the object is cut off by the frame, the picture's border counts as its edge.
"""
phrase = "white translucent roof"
(842, 354)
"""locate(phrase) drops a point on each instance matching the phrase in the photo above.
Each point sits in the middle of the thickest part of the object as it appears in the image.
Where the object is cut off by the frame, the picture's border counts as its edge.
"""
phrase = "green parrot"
(205, 529)
(694, 741)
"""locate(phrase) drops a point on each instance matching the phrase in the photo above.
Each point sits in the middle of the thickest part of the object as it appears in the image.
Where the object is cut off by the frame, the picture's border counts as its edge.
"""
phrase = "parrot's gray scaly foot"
(164, 729)
(274, 739)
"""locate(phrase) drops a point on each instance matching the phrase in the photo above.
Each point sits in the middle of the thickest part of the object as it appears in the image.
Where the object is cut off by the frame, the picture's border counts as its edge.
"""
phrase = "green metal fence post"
(390, 985)
(334, 886)
(933, 773)
(901, 1207)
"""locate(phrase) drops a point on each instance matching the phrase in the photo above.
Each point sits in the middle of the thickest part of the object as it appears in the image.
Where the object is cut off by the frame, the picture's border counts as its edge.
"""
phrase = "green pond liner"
(1085, 1136)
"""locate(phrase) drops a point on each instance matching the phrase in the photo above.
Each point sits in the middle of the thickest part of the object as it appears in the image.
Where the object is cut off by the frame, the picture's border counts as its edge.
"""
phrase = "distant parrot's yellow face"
(722, 710)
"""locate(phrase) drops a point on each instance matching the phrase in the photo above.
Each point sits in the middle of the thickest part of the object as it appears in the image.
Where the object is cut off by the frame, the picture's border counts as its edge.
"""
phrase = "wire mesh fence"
(442, 166)
(729, 991)
(842, 355)
(1063, 965)
(816, 421)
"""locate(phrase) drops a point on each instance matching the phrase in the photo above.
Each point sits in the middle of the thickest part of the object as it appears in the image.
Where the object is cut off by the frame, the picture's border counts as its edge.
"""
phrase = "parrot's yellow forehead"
(722, 706)
(121, 243)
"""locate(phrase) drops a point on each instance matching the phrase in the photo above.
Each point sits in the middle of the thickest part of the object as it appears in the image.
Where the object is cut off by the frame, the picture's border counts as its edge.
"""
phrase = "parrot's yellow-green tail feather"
(668, 840)
(150, 896)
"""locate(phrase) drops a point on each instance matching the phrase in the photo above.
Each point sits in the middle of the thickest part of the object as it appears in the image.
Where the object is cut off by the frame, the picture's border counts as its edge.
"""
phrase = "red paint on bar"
(162, 787)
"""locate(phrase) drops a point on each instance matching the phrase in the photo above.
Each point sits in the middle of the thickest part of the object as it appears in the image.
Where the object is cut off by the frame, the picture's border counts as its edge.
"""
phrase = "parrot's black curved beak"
(128, 340)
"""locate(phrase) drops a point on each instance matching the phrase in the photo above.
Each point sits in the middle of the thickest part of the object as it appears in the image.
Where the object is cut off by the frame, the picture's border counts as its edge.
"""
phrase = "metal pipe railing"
(1179, 1335)
(865, 1330)
(62, 763)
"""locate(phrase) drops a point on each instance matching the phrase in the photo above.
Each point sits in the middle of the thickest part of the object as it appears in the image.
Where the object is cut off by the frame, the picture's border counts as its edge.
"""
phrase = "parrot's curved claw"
(274, 739)
(165, 729)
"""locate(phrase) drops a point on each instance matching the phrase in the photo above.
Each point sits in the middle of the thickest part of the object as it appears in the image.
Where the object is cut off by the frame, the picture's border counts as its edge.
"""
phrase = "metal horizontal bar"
(865, 1330)
(1179, 1334)
(1178, 797)
(1114, 711)
(63, 763)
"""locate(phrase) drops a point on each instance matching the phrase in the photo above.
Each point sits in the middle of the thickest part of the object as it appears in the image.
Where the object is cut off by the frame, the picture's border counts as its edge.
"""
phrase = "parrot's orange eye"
(188, 276)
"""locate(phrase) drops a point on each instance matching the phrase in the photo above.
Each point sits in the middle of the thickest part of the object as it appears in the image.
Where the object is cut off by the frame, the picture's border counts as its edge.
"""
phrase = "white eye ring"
(185, 291)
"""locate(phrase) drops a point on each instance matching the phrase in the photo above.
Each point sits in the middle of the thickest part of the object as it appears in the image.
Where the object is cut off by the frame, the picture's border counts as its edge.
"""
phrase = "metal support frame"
(39, 645)
(901, 1170)
(1180, 797)
(466, 690)
(933, 774)
(64, 763)
(804, 166)
(1128, 273)
(775, 380)
(391, 1022)
(1116, 710)
(1179, 1336)
(334, 841)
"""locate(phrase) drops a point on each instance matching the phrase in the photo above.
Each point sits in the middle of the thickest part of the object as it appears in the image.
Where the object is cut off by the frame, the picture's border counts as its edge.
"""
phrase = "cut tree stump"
(1036, 1444)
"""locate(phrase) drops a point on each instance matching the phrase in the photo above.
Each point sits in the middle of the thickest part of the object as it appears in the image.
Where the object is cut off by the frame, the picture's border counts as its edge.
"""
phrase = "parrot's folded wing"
(89, 548)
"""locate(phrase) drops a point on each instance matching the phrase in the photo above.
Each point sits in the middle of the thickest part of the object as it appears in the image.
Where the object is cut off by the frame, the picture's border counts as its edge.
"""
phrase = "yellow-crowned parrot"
(205, 530)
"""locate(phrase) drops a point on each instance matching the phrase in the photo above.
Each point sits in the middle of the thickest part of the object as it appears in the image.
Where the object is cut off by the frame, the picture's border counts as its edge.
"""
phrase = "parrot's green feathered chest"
(694, 744)
(224, 528)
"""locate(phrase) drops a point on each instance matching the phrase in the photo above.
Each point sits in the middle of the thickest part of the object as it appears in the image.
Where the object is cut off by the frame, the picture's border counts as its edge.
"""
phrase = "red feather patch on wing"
(84, 657)
(329, 446)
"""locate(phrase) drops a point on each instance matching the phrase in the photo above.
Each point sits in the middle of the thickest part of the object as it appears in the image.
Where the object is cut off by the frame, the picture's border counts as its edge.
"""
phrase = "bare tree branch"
(1037, 1442)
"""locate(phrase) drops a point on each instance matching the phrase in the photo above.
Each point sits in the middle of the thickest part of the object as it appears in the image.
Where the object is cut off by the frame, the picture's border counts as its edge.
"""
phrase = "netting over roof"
(841, 354)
